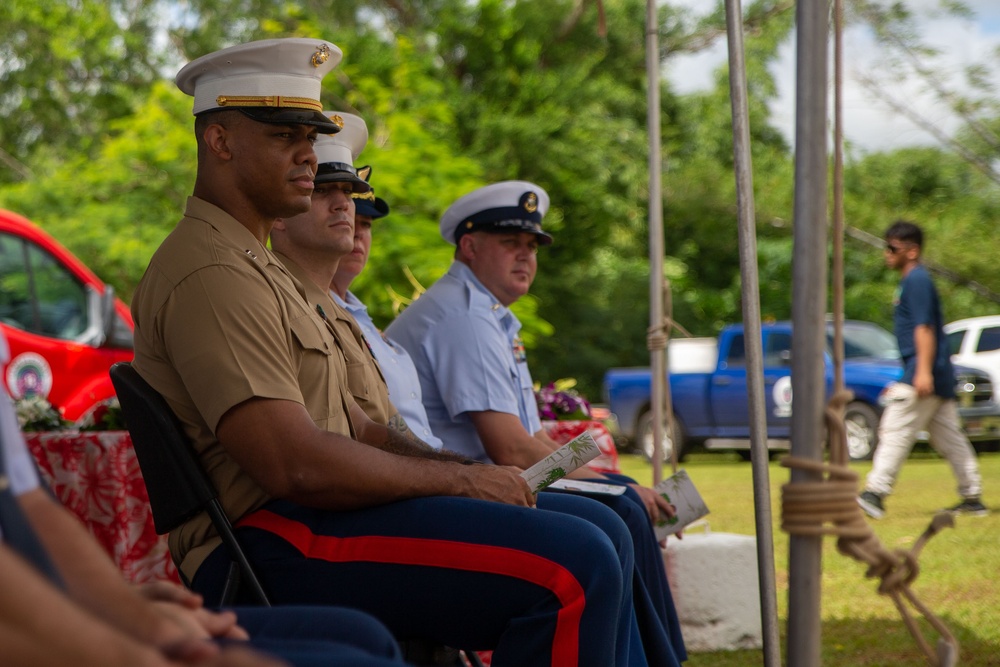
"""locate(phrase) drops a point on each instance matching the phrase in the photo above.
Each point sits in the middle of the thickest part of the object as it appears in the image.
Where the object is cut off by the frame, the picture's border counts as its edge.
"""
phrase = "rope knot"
(827, 505)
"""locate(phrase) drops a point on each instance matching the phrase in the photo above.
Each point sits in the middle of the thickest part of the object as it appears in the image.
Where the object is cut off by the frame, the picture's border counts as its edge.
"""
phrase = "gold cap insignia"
(364, 172)
(468, 224)
(273, 101)
(321, 56)
(337, 120)
(531, 203)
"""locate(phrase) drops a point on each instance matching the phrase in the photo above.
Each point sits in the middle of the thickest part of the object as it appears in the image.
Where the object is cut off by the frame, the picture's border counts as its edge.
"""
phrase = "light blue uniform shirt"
(469, 358)
(397, 368)
(21, 473)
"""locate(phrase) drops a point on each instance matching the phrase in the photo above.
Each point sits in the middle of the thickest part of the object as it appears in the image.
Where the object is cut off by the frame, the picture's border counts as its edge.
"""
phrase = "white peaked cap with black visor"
(272, 81)
(336, 153)
(507, 206)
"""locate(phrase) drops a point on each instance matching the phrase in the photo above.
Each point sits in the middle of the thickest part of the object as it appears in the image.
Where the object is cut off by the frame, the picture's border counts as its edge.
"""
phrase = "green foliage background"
(96, 146)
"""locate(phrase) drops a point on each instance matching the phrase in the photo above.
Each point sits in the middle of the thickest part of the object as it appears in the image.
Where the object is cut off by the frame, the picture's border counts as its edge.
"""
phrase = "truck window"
(737, 356)
(37, 293)
(865, 341)
(989, 340)
(778, 349)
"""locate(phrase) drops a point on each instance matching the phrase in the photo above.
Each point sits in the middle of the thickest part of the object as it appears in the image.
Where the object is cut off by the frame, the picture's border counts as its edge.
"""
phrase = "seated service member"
(397, 368)
(477, 388)
(311, 245)
(64, 602)
(248, 365)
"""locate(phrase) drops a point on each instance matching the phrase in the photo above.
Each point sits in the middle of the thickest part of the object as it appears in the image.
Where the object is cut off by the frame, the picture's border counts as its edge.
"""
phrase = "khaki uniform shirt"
(364, 376)
(218, 321)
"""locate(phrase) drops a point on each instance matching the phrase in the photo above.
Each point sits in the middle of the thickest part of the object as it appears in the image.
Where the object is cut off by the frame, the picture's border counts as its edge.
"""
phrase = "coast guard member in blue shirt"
(477, 389)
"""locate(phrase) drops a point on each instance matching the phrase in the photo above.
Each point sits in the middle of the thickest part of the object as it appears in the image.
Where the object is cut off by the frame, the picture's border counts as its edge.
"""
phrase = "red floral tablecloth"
(97, 477)
(564, 431)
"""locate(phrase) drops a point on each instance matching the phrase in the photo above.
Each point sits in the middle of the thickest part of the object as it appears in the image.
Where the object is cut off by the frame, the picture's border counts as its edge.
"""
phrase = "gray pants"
(905, 416)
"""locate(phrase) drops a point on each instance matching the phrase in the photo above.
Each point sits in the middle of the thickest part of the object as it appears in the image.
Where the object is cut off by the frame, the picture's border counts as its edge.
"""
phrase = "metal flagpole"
(752, 333)
(809, 293)
(658, 355)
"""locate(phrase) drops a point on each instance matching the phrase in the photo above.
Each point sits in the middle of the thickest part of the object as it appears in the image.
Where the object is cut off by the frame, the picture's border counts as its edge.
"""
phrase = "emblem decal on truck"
(29, 375)
(782, 394)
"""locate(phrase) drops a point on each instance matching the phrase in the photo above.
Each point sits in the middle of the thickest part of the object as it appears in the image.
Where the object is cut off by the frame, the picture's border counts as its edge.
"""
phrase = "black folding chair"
(177, 484)
(179, 489)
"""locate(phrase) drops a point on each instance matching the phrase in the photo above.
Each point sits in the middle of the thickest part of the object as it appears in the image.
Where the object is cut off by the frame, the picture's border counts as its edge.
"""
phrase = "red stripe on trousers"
(443, 553)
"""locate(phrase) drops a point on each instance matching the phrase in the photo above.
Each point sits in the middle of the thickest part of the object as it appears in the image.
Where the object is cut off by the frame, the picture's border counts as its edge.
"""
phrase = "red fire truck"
(65, 327)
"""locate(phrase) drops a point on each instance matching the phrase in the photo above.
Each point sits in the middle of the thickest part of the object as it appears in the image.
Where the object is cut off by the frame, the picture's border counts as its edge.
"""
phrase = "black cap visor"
(507, 227)
(340, 172)
(286, 116)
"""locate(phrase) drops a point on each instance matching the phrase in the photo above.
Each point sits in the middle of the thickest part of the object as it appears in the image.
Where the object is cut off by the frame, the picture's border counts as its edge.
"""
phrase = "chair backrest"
(177, 485)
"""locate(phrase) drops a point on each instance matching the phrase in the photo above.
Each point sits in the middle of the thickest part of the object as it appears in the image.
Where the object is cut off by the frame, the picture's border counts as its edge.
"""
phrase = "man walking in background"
(925, 396)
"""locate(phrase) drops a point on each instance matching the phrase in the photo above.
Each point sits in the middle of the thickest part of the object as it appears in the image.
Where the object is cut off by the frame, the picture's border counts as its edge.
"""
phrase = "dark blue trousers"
(536, 586)
(320, 636)
(659, 624)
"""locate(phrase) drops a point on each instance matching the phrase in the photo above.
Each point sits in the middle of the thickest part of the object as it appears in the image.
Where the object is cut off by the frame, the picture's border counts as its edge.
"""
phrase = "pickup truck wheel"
(862, 431)
(644, 438)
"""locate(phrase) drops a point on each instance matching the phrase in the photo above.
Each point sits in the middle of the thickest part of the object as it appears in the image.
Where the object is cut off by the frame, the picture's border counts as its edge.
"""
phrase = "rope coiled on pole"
(828, 506)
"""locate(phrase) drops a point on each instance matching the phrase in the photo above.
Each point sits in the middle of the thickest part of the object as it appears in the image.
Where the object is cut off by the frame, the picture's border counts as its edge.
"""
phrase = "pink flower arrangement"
(559, 401)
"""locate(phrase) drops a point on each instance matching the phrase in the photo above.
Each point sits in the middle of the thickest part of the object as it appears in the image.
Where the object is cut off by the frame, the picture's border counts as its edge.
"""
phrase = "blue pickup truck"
(710, 403)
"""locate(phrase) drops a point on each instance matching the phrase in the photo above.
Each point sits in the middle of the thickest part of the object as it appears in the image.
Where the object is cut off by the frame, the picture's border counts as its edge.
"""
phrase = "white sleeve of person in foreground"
(100, 619)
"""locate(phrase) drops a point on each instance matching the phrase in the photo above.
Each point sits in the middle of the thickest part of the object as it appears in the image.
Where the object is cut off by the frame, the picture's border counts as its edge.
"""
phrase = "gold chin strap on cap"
(273, 101)
(829, 506)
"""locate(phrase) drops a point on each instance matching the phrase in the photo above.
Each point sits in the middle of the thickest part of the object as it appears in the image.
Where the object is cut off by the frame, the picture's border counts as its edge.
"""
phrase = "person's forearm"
(39, 625)
(521, 450)
(398, 425)
(925, 343)
(373, 476)
(280, 447)
(403, 441)
(544, 438)
(91, 578)
(397, 438)
(506, 441)
(26, 647)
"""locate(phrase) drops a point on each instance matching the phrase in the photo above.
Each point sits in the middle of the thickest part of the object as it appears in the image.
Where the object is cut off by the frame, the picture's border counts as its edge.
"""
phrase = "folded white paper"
(679, 491)
(575, 453)
(583, 486)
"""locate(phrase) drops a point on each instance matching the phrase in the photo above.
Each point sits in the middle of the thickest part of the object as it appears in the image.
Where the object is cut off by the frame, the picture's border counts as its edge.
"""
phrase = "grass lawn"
(959, 569)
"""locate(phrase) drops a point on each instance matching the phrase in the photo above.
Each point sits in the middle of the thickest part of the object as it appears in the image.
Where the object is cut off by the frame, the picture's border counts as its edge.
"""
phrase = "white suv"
(976, 342)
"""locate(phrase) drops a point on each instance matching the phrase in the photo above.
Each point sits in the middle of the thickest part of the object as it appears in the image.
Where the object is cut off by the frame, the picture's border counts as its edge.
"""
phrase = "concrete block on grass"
(713, 578)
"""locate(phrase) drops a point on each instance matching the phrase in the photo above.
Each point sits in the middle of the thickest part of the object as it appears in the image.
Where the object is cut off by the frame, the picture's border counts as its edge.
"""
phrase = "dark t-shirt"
(917, 303)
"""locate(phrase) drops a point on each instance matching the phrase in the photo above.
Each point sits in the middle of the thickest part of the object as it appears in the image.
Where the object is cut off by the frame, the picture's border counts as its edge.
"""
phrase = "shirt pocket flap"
(309, 335)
